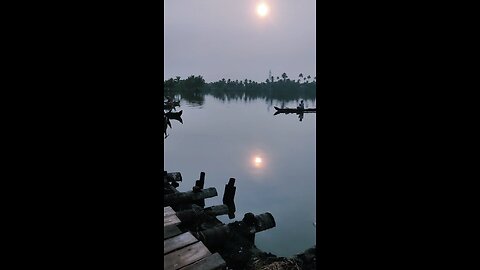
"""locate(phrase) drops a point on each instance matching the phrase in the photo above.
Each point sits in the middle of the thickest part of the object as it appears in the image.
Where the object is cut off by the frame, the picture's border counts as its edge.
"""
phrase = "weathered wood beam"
(189, 196)
(172, 177)
(199, 186)
(229, 196)
(187, 216)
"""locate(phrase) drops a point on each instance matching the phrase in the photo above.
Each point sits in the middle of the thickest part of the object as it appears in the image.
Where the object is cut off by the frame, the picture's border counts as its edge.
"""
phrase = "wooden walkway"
(182, 250)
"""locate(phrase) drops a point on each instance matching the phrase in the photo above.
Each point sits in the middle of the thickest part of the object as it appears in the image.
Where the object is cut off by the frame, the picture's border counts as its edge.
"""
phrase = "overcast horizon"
(233, 40)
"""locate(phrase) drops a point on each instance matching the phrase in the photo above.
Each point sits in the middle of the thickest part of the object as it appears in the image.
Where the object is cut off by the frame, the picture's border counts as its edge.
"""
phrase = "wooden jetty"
(184, 251)
(194, 238)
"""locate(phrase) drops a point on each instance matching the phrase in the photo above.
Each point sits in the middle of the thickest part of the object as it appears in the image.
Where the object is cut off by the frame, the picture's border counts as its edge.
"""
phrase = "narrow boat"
(294, 110)
(174, 114)
(170, 105)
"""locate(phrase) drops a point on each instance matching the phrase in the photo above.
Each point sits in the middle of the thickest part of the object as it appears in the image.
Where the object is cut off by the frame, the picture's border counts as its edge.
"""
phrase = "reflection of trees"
(193, 97)
(188, 89)
(283, 90)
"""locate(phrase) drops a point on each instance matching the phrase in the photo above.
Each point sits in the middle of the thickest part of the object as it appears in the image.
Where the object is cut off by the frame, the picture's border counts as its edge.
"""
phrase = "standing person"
(301, 106)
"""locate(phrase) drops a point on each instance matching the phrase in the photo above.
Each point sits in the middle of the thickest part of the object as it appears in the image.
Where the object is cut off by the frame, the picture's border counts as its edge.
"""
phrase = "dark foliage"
(193, 89)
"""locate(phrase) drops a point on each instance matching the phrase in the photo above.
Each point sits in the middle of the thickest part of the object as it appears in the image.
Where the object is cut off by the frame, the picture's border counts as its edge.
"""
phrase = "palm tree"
(284, 76)
(300, 75)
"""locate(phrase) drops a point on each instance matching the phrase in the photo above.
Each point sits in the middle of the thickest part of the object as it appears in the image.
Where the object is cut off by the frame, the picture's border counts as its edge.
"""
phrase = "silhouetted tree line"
(189, 89)
(193, 89)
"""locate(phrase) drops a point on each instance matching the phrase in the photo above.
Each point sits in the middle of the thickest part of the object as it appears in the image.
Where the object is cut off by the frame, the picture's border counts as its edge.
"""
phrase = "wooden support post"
(200, 183)
(172, 178)
(199, 186)
(264, 221)
(229, 193)
(229, 196)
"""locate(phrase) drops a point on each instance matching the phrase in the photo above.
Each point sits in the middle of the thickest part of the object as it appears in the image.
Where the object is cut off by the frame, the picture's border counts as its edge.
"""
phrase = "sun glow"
(262, 9)
(257, 161)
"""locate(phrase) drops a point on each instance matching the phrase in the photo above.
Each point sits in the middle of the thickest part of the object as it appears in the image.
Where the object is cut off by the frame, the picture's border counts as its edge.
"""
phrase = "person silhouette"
(301, 105)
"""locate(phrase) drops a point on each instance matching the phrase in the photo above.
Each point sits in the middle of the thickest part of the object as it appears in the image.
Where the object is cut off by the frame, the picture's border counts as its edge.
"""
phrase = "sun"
(257, 162)
(262, 9)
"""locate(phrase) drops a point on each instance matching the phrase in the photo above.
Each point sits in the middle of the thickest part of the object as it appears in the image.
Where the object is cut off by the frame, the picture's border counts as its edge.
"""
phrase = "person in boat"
(301, 106)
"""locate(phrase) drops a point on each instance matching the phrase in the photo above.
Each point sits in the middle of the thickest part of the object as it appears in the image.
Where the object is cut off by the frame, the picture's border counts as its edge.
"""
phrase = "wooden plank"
(212, 262)
(168, 211)
(178, 242)
(185, 256)
(171, 220)
(170, 231)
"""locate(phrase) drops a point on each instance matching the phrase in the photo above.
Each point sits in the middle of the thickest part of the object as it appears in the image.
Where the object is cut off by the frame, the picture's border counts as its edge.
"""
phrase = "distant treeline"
(193, 89)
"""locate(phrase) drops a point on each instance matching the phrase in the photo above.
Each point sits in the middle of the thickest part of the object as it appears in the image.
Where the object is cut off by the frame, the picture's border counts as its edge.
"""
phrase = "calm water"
(224, 138)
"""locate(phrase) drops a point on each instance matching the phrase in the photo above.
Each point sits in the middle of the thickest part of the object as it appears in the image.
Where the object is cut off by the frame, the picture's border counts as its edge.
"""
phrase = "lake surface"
(224, 139)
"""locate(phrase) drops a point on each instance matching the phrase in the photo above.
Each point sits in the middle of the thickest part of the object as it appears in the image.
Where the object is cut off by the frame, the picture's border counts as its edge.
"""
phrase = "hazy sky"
(229, 39)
